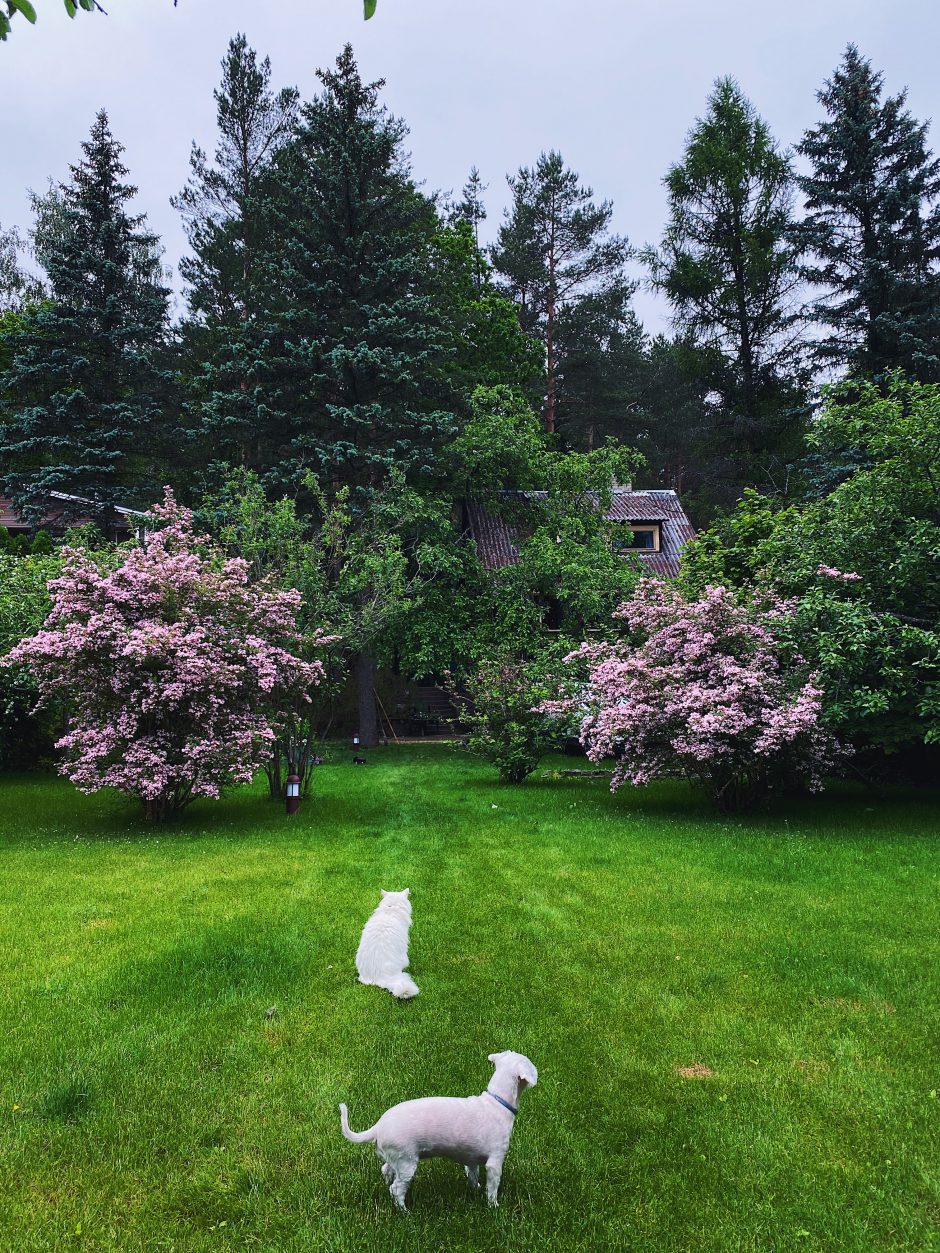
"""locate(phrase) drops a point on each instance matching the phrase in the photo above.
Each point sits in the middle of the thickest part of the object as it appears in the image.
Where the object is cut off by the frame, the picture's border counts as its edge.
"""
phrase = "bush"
(497, 700)
(173, 665)
(861, 565)
(26, 737)
(703, 690)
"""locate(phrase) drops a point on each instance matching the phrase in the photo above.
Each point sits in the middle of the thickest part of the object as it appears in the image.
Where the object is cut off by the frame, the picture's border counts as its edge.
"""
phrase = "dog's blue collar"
(505, 1104)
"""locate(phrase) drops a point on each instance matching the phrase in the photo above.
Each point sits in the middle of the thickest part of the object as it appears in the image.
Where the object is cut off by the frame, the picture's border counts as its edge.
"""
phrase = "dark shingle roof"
(497, 545)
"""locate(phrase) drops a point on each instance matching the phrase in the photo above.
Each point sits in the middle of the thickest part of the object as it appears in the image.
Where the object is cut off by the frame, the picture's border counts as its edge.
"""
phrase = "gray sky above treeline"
(613, 84)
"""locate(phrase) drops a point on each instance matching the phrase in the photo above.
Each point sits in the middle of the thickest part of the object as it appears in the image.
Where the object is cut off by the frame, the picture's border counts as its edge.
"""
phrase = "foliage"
(871, 230)
(222, 207)
(555, 250)
(349, 374)
(704, 690)
(174, 665)
(17, 286)
(84, 401)
(25, 737)
(362, 572)
(566, 580)
(25, 7)
(861, 563)
(487, 346)
(728, 267)
(498, 701)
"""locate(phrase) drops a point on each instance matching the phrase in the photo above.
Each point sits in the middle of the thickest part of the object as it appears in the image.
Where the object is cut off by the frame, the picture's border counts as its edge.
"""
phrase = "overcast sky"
(613, 84)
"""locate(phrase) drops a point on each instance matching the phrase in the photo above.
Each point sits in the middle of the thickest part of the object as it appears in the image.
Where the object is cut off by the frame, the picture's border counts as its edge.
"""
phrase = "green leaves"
(368, 7)
(24, 7)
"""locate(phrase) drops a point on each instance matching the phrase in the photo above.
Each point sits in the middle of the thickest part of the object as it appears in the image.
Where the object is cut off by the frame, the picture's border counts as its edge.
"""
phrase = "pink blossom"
(700, 690)
(174, 666)
(844, 576)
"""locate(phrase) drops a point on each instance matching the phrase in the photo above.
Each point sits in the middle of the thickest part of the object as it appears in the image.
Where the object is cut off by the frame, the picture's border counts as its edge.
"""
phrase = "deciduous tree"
(728, 267)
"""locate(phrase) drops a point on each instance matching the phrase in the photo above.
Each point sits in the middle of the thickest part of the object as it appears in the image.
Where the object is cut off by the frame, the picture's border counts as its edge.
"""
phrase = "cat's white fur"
(382, 956)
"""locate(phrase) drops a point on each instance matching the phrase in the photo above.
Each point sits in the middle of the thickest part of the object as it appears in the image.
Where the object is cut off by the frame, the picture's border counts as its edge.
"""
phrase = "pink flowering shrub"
(174, 667)
(841, 576)
(702, 690)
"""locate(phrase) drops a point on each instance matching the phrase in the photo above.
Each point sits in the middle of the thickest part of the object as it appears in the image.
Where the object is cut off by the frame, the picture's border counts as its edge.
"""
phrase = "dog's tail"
(357, 1137)
(402, 986)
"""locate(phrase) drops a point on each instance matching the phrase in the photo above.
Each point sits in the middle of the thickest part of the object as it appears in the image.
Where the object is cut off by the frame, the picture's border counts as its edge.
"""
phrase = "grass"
(180, 1016)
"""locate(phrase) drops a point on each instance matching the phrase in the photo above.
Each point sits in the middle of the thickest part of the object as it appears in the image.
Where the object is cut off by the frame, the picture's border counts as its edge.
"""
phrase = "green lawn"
(149, 1101)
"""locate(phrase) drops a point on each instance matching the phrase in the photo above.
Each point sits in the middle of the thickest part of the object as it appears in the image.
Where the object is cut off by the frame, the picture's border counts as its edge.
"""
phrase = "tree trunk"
(550, 338)
(365, 687)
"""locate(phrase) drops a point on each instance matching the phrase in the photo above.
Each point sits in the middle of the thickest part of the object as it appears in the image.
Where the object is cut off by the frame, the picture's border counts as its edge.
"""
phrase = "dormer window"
(638, 537)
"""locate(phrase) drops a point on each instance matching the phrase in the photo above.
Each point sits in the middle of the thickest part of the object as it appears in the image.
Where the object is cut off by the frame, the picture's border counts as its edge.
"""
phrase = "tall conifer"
(357, 342)
(728, 267)
(554, 249)
(871, 232)
(222, 210)
(85, 398)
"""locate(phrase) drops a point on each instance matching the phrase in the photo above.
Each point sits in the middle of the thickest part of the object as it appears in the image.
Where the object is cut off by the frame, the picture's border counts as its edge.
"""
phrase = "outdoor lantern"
(355, 741)
(293, 793)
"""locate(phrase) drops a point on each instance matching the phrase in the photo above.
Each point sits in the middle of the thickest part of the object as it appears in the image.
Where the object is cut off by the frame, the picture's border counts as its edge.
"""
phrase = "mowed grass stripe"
(792, 955)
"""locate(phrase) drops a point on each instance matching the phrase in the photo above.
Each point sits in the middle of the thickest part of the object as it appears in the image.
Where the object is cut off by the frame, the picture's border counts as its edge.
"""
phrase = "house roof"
(497, 539)
(10, 519)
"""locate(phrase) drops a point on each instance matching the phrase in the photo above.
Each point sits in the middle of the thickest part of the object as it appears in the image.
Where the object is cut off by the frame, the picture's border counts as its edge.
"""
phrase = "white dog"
(382, 956)
(473, 1130)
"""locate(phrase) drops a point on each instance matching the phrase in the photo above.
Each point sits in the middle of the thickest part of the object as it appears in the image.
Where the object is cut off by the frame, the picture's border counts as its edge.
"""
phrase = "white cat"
(382, 956)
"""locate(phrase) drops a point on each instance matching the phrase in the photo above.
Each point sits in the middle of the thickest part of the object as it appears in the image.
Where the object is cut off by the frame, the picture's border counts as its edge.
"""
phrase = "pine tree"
(471, 209)
(554, 249)
(222, 210)
(728, 267)
(84, 400)
(871, 233)
(600, 364)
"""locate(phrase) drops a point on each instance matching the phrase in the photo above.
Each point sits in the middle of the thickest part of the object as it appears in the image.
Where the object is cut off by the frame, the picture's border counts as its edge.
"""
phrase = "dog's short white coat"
(382, 956)
(472, 1130)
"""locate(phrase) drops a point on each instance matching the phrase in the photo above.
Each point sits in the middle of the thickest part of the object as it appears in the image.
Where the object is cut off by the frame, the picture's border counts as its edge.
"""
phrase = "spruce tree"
(85, 398)
(222, 210)
(356, 368)
(728, 267)
(554, 249)
(357, 342)
(871, 232)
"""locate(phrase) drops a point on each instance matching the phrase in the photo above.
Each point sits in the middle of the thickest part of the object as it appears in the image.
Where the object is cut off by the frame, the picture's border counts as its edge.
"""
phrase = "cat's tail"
(401, 985)
(357, 1137)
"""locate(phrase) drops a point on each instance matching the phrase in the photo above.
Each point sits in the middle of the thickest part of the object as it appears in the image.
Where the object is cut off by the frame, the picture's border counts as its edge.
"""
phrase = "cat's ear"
(382, 890)
(407, 892)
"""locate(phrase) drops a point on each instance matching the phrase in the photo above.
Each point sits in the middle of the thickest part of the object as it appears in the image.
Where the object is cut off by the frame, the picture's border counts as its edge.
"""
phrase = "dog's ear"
(526, 1073)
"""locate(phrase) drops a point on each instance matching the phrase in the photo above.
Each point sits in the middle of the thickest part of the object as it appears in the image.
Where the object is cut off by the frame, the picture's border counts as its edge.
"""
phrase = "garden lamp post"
(293, 793)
